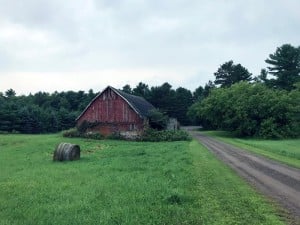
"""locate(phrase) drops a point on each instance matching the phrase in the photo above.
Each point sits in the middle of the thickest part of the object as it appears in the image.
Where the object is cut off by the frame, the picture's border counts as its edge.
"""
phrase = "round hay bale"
(66, 152)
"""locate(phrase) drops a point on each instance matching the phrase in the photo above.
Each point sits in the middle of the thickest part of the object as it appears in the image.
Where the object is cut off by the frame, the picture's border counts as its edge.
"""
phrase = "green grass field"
(119, 182)
(286, 151)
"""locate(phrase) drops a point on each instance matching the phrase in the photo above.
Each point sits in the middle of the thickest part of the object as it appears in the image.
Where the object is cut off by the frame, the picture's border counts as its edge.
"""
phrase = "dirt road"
(278, 181)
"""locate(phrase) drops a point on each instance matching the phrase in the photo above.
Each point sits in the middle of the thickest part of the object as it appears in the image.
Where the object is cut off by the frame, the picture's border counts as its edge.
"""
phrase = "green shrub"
(73, 132)
(165, 135)
(4, 132)
(157, 119)
(93, 135)
(268, 129)
(115, 136)
(151, 135)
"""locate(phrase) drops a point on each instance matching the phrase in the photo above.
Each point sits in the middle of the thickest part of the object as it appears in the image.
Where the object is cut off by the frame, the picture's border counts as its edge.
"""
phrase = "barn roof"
(137, 103)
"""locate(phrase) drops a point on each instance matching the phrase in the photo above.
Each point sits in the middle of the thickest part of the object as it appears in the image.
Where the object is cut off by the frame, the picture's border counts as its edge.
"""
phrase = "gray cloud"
(192, 36)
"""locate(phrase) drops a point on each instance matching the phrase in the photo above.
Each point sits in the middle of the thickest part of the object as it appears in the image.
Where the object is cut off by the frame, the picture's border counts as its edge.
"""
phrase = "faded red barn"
(114, 111)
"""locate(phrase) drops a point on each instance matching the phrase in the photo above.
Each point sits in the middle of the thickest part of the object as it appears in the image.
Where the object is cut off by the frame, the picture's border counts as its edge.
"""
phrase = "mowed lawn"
(286, 151)
(119, 182)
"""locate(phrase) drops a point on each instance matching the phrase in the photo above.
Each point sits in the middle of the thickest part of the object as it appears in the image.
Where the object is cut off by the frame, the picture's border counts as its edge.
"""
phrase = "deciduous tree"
(251, 110)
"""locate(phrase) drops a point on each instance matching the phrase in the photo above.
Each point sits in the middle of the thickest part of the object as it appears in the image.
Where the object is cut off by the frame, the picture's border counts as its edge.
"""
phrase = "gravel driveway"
(275, 180)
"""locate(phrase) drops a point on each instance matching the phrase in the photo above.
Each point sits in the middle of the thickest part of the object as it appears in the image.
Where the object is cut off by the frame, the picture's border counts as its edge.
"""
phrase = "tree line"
(266, 105)
(41, 112)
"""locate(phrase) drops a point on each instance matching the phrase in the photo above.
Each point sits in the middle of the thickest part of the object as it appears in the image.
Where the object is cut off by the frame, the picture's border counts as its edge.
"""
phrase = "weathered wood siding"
(114, 114)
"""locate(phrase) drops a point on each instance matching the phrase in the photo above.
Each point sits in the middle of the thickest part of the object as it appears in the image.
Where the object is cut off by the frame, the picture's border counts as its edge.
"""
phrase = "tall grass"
(119, 182)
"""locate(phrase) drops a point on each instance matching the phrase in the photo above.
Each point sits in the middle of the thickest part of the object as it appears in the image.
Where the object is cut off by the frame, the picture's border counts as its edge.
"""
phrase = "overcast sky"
(83, 44)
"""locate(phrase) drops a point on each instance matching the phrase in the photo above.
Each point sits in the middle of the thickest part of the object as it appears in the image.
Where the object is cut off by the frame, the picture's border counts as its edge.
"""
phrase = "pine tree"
(285, 67)
(229, 74)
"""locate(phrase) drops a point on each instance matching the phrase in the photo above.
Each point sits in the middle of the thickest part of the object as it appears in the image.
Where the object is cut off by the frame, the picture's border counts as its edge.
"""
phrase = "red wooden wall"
(114, 114)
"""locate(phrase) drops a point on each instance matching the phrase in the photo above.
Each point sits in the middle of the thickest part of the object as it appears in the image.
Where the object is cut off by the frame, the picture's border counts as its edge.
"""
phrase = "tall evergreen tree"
(10, 93)
(285, 67)
(141, 90)
(208, 87)
(163, 97)
(127, 89)
(198, 94)
(229, 74)
(183, 100)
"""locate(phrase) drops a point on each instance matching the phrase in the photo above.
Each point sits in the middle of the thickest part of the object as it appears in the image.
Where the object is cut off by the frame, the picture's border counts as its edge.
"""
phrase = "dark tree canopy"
(41, 112)
(202, 92)
(157, 119)
(141, 90)
(183, 100)
(284, 66)
(229, 74)
(208, 87)
(174, 103)
(262, 77)
(10, 93)
(198, 94)
(127, 89)
(162, 97)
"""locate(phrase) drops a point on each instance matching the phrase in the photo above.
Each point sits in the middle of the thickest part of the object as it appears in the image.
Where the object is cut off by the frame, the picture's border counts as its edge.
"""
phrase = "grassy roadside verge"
(224, 198)
(119, 182)
(285, 151)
